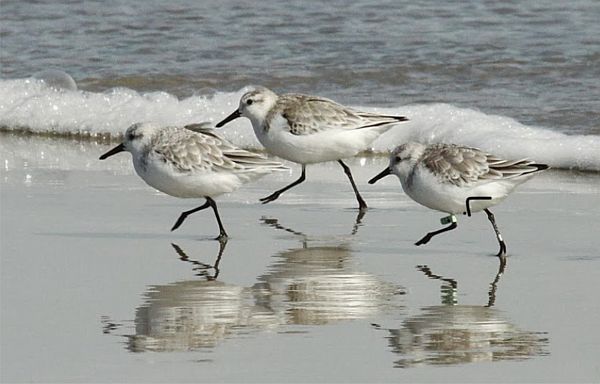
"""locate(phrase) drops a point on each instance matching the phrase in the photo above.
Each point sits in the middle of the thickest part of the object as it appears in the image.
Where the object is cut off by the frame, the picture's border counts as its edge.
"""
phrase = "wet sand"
(94, 286)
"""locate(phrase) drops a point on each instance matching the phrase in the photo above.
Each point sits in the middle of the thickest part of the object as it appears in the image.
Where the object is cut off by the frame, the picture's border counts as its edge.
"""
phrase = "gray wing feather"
(202, 149)
(199, 127)
(307, 115)
(460, 165)
(454, 164)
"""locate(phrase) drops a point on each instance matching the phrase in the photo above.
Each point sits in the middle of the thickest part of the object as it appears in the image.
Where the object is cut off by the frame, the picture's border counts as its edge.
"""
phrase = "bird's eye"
(249, 102)
(398, 159)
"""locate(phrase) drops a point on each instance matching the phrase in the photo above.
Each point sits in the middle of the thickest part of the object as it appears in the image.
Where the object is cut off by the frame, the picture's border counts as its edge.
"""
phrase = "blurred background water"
(536, 61)
(513, 77)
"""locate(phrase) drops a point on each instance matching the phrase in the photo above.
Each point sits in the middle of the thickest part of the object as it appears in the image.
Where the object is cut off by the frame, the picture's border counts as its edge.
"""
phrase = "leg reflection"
(358, 221)
(202, 269)
(494, 284)
(273, 222)
(449, 290)
(449, 287)
(452, 333)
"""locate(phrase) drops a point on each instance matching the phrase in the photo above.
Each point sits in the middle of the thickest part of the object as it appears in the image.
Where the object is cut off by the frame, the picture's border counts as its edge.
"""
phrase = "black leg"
(185, 214)
(222, 234)
(468, 202)
(275, 195)
(361, 203)
(490, 216)
(428, 236)
(209, 203)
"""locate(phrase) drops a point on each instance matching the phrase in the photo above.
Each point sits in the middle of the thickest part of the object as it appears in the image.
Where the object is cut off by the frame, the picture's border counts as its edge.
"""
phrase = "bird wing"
(461, 165)
(198, 147)
(505, 169)
(307, 115)
(456, 164)
(205, 126)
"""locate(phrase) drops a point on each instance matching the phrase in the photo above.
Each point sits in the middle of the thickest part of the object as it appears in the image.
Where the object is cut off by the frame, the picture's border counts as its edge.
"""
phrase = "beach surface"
(95, 287)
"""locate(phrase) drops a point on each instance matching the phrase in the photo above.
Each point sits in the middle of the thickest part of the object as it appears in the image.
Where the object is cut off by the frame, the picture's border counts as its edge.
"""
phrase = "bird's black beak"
(381, 175)
(114, 151)
(229, 118)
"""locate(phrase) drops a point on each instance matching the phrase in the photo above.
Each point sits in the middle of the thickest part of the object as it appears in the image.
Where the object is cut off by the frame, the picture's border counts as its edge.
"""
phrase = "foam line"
(31, 105)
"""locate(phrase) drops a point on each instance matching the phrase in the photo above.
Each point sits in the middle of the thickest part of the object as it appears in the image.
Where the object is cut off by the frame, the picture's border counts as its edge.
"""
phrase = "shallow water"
(96, 288)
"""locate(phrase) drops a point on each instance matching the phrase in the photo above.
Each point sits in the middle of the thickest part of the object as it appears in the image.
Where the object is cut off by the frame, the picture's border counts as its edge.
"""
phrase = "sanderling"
(191, 161)
(454, 179)
(310, 129)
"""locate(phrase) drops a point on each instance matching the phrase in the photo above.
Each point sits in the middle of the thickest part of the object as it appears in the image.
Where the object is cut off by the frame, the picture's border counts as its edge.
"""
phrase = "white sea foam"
(30, 104)
(503, 136)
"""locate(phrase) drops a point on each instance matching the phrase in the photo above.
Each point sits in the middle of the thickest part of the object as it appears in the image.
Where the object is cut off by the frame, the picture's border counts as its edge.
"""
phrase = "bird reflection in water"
(456, 334)
(318, 282)
(312, 284)
(196, 314)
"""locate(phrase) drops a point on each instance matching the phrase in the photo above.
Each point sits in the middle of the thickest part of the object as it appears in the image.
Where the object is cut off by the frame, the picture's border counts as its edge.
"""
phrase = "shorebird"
(457, 179)
(310, 129)
(191, 162)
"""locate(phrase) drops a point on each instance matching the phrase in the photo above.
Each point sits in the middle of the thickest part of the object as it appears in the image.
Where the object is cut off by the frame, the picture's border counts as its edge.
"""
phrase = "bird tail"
(377, 120)
(540, 167)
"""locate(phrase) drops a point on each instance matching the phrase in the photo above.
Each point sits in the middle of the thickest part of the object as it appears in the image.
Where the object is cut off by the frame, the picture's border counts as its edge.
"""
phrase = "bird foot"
(268, 199)
(424, 240)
